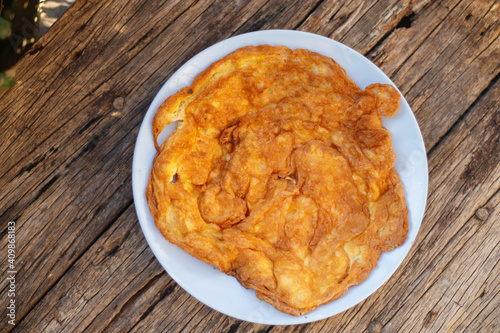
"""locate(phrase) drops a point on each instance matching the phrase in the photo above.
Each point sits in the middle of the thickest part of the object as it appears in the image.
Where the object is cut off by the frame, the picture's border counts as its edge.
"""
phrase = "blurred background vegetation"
(19, 29)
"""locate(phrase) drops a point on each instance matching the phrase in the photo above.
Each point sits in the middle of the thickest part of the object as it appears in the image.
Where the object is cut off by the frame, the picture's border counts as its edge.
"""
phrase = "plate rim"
(138, 173)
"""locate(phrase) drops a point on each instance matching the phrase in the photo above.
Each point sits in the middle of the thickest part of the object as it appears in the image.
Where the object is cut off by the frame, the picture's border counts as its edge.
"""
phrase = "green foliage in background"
(5, 28)
(5, 81)
(18, 31)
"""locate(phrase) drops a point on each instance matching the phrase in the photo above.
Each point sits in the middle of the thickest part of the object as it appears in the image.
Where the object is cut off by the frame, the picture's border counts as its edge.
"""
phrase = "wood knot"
(35, 48)
(430, 318)
(482, 213)
(118, 103)
(374, 327)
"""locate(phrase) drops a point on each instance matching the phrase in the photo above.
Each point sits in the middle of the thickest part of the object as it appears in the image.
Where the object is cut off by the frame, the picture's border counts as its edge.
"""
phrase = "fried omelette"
(280, 174)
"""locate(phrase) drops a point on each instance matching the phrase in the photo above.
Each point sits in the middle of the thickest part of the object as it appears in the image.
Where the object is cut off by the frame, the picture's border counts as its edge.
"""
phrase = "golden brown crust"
(280, 174)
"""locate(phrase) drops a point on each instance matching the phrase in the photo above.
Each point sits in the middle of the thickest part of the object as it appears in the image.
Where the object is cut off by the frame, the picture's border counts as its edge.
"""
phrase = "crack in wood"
(265, 329)
(430, 319)
(45, 187)
(259, 18)
(456, 124)
(89, 123)
(483, 159)
(234, 327)
(30, 166)
(404, 23)
(92, 143)
(145, 37)
(129, 304)
(309, 13)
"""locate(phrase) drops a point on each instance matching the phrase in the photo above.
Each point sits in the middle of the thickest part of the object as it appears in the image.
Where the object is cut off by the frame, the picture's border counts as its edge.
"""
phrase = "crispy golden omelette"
(280, 174)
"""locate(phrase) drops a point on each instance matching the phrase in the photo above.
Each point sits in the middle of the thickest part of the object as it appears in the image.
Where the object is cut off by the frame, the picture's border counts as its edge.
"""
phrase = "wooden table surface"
(69, 125)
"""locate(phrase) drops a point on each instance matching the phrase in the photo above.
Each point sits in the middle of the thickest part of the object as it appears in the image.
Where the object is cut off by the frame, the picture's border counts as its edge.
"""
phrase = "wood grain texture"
(452, 66)
(68, 128)
(118, 271)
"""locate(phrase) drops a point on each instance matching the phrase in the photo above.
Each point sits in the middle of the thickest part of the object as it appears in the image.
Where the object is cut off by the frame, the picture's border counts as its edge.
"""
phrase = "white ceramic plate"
(224, 293)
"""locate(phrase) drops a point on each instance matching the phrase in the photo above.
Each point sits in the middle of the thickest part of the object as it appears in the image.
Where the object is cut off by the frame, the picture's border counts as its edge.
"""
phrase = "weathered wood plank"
(442, 307)
(85, 299)
(277, 14)
(360, 24)
(98, 89)
(467, 295)
(58, 77)
(447, 65)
